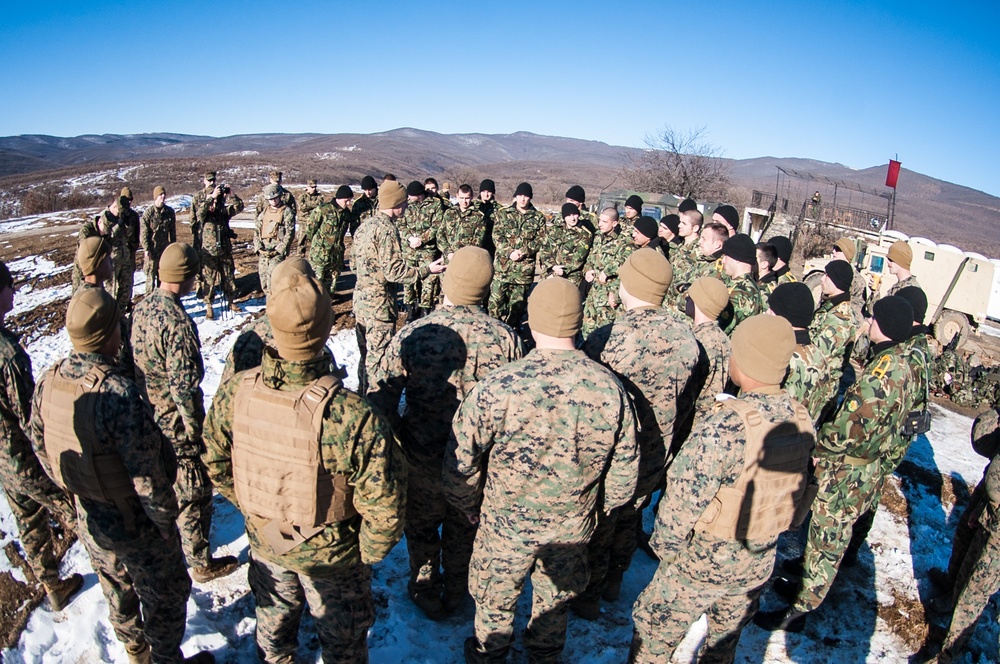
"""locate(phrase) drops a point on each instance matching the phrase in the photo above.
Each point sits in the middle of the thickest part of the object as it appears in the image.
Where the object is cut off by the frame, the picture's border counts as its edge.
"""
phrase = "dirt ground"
(58, 244)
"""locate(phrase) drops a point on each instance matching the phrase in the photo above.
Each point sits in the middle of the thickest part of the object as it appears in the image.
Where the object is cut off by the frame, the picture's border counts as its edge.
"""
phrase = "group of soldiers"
(676, 359)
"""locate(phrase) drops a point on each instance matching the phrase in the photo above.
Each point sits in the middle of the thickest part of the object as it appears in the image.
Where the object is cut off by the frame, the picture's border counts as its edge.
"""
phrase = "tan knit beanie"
(847, 245)
(288, 267)
(126, 193)
(90, 253)
(646, 274)
(178, 263)
(710, 295)
(91, 319)
(555, 308)
(301, 315)
(391, 195)
(157, 190)
(901, 254)
(762, 347)
(468, 277)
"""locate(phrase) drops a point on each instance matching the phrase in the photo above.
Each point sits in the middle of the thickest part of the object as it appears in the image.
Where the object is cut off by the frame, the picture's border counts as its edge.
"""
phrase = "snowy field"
(220, 613)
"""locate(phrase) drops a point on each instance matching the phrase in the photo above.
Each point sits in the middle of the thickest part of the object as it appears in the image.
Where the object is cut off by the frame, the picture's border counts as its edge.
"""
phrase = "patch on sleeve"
(852, 405)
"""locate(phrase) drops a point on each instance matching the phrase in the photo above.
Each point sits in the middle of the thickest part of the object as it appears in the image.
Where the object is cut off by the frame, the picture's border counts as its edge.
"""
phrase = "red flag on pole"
(893, 175)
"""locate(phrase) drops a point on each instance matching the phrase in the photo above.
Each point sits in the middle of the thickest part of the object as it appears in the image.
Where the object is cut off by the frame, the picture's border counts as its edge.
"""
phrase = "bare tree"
(681, 163)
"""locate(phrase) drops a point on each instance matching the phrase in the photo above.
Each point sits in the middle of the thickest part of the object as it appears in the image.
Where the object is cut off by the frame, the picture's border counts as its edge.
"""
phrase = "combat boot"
(61, 592)
(586, 606)
(612, 585)
(786, 620)
(217, 567)
(474, 653)
(428, 599)
(139, 653)
(204, 657)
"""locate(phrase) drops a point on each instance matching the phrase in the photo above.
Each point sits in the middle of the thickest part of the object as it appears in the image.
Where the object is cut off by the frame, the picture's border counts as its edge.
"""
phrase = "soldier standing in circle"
(463, 225)
(285, 196)
(566, 247)
(274, 231)
(607, 253)
(127, 509)
(783, 247)
(528, 443)
(125, 268)
(738, 482)
(310, 199)
(93, 260)
(107, 224)
(158, 229)
(438, 360)
(834, 329)
(212, 215)
(517, 234)
(807, 370)
(379, 266)
(633, 210)
(319, 519)
(739, 254)
(33, 498)
(488, 204)
(169, 370)
(329, 223)
(728, 216)
(367, 203)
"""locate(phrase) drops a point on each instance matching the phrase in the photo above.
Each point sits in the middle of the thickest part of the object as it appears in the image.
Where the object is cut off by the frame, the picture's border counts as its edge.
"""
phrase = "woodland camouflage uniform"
(307, 203)
(305, 222)
(523, 231)
(438, 360)
(421, 220)
(158, 230)
(699, 572)
(362, 208)
(461, 229)
(548, 455)
(848, 466)
(326, 247)
(33, 497)
(832, 331)
(568, 247)
(654, 355)
(607, 254)
(744, 301)
(133, 546)
(169, 370)
(378, 264)
(807, 375)
(274, 231)
(331, 571)
(216, 251)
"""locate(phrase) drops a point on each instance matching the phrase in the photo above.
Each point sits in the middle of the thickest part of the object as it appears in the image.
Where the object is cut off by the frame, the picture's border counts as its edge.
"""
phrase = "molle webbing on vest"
(774, 491)
(277, 466)
(269, 224)
(69, 413)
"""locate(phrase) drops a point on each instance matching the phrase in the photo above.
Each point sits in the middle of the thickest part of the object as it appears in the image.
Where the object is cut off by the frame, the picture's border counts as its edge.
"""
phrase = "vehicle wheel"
(950, 325)
(812, 280)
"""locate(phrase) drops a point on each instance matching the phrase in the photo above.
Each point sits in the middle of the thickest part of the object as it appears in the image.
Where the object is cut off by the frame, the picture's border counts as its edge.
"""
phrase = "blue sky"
(848, 82)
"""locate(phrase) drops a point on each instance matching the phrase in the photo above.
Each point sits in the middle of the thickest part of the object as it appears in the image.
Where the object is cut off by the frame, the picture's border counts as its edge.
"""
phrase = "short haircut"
(389, 177)
(769, 253)
(695, 218)
(721, 230)
(613, 211)
(431, 181)
(465, 189)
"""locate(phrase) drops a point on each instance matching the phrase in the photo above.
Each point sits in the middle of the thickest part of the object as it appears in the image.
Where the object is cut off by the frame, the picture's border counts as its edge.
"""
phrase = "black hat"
(368, 182)
(488, 185)
(634, 202)
(576, 193)
(740, 248)
(647, 226)
(918, 301)
(569, 208)
(524, 189)
(673, 222)
(894, 316)
(793, 302)
(6, 279)
(416, 188)
(841, 274)
(687, 205)
(783, 246)
(343, 191)
(729, 213)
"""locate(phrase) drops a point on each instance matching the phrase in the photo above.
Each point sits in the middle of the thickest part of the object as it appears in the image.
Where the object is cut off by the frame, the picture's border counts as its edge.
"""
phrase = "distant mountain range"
(932, 208)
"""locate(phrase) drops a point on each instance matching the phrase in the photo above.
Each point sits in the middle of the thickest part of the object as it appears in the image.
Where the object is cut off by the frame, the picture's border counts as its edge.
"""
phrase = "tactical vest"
(278, 470)
(271, 222)
(70, 419)
(774, 491)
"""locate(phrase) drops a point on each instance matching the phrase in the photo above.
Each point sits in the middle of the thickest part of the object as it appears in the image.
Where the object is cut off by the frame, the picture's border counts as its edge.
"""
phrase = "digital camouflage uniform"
(216, 251)
(125, 275)
(523, 231)
(248, 349)
(848, 465)
(699, 572)
(33, 497)
(903, 283)
(974, 567)
(568, 247)
(712, 372)
(329, 572)
(607, 254)
(133, 546)
(326, 247)
(807, 375)
(744, 301)
(378, 265)
(461, 229)
(654, 355)
(118, 239)
(274, 231)
(169, 370)
(438, 360)
(158, 230)
(284, 196)
(421, 220)
(548, 456)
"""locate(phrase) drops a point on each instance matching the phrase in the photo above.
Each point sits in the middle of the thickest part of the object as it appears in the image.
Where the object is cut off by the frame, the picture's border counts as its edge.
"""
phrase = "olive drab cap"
(555, 308)
(91, 253)
(178, 263)
(391, 195)
(301, 315)
(157, 190)
(846, 245)
(468, 277)
(646, 274)
(91, 319)
(762, 347)
(710, 295)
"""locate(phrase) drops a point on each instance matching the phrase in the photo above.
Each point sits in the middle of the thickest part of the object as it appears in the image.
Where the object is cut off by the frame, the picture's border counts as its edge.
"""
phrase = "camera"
(224, 188)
